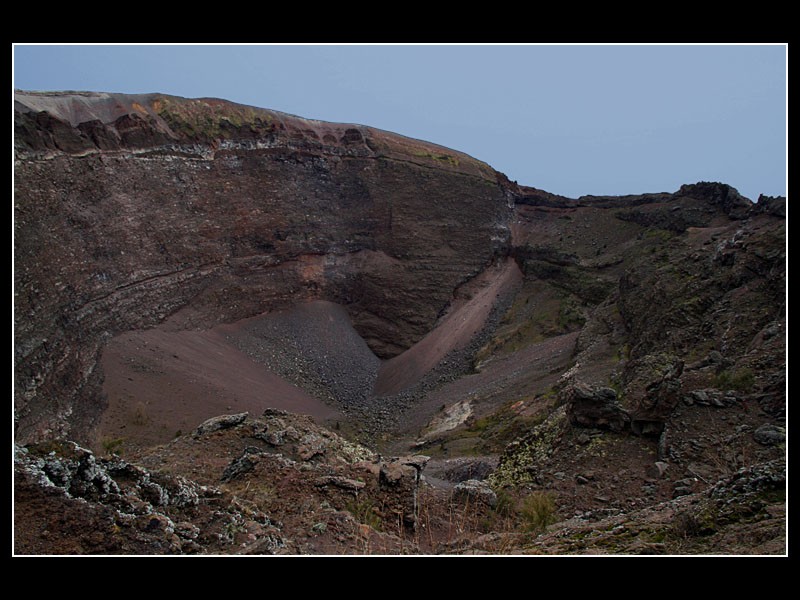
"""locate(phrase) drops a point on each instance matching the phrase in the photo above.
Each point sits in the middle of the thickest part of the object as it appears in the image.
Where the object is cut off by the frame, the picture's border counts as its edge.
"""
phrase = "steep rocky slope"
(592, 375)
(130, 210)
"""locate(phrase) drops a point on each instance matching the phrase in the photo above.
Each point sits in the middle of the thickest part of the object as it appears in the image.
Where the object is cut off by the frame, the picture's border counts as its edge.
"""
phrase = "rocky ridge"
(304, 479)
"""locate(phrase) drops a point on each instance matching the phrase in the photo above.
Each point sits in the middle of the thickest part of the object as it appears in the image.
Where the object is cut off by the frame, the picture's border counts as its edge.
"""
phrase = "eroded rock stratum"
(134, 209)
(550, 375)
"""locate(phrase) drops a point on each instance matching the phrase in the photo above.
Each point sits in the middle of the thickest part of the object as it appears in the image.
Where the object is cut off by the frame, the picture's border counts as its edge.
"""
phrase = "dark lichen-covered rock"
(345, 483)
(772, 205)
(220, 422)
(473, 490)
(729, 199)
(593, 407)
(770, 435)
(241, 465)
(523, 459)
(653, 391)
(107, 505)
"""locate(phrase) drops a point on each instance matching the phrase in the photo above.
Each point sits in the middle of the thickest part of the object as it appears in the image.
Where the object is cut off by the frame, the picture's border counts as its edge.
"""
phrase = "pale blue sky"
(572, 120)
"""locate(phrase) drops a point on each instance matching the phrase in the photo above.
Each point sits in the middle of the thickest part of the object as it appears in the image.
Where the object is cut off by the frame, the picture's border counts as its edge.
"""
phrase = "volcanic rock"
(595, 408)
(221, 422)
(474, 490)
(769, 435)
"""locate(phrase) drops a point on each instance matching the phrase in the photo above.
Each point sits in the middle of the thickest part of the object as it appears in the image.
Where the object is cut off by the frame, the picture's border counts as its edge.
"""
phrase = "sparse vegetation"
(140, 416)
(113, 446)
(365, 511)
(210, 120)
(505, 503)
(741, 380)
(523, 457)
(538, 510)
(686, 525)
(441, 157)
(661, 235)
(58, 447)
(570, 315)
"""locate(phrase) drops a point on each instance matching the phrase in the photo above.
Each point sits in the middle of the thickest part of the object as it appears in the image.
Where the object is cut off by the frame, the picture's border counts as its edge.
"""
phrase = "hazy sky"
(572, 120)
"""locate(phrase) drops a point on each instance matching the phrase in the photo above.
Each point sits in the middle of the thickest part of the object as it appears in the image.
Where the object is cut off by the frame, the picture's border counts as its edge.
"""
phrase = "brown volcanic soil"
(306, 360)
(523, 376)
(159, 383)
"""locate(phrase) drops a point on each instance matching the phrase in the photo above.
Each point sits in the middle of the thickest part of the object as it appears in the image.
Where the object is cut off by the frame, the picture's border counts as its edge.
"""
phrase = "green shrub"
(113, 446)
(741, 380)
(505, 503)
(538, 511)
(364, 511)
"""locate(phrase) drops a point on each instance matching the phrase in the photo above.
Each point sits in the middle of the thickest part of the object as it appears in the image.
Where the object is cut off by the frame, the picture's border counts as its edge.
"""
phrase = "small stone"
(340, 482)
(154, 522)
(418, 461)
(474, 489)
(588, 406)
(662, 467)
(240, 466)
(560, 475)
(769, 435)
(581, 479)
(681, 491)
(393, 472)
(310, 446)
(771, 330)
(275, 438)
(319, 528)
(683, 487)
(187, 530)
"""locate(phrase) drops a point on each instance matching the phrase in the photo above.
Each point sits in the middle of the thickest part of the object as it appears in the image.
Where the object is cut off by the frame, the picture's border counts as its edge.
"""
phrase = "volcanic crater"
(359, 342)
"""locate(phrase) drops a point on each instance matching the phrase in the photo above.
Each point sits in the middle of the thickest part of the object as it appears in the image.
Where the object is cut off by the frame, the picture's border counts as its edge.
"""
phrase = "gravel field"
(315, 347)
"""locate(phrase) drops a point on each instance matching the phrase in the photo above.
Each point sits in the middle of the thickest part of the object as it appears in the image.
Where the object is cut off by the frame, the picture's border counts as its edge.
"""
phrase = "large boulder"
(220, 422)
(595, 407)
(654, 393)
(475, 491)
